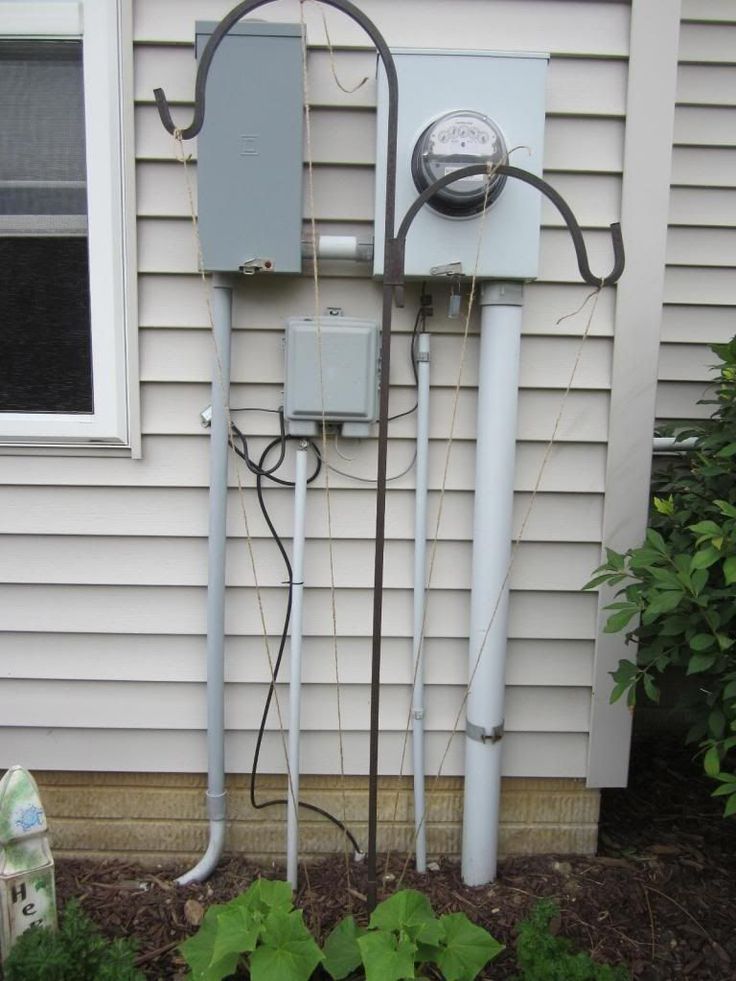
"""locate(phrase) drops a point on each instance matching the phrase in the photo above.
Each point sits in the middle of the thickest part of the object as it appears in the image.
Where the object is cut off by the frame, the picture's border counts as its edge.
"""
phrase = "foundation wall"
(156, 818)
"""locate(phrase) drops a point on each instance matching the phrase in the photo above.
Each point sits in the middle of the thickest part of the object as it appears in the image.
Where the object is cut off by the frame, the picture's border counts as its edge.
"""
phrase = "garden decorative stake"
(27, 890)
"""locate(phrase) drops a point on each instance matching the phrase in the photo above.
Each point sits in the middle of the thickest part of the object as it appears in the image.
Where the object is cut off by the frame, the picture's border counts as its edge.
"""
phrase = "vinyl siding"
(104, 559)
(700, 294)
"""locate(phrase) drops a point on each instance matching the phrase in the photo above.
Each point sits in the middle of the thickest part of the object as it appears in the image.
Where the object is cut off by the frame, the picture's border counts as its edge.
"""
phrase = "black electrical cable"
(262, 473)
(424, 311)
(255, 468)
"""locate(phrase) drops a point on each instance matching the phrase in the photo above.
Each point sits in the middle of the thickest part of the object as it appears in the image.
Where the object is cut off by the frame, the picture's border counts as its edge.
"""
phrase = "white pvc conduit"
(500, 341)
(219, 451)
(295, 662)
(420, 580)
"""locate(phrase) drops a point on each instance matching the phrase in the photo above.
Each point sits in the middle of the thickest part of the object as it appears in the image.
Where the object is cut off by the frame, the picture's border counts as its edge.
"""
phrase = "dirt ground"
(659, 897)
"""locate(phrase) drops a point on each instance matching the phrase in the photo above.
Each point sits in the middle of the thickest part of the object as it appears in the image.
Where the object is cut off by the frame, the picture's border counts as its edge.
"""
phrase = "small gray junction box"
(331, 360)
(249, 151)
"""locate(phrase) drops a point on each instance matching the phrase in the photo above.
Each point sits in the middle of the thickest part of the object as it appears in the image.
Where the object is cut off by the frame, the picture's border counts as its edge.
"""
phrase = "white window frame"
(104, 28)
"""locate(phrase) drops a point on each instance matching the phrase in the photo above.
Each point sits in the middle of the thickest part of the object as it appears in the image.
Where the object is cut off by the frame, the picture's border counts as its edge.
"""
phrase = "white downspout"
(498, 382)
(219, 451)
(420, 592)
(295, 669)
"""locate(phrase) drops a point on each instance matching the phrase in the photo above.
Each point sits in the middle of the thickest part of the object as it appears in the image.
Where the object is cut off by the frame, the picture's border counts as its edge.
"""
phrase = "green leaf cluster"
(403, 934)
(259, 929)
(545, 957)
(76, 952)
(677, 594)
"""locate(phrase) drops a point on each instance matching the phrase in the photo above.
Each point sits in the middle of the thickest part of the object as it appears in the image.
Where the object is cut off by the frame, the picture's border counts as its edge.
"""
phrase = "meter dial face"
(456, 140)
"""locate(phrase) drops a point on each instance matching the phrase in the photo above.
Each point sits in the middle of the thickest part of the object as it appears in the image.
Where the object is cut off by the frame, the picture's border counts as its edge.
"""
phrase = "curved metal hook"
(228, 21)
(399, 243)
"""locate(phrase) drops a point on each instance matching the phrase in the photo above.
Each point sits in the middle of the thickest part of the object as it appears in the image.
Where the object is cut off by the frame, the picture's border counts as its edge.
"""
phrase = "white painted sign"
(27, 889)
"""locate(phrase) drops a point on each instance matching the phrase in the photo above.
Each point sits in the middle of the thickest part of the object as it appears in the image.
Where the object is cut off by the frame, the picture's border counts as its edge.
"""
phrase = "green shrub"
(544, 957)
(679, 587)
(259, 930)
(403, 934)
(76, 952)
(262, 933)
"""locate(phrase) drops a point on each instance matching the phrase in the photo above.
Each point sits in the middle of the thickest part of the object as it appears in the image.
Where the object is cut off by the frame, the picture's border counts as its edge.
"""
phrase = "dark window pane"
(45, 338)
(45, 346)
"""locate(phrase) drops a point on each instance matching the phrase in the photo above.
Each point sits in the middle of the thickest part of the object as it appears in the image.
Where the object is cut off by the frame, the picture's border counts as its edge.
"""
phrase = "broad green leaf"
(342, 953)
(650, 688)
(730, 807)
(724, 642)
(705, 528)
(410, 911)
(197, 951)
(596, 581)
(730, 690)
(725, 508)
(467, 950)
(287, 951)
(237, 932)
(704, 558)
(717, 723)
(655, 540)
(699, 578)
(617, 621)
(385, 958)
(729, 570)
(665, 505)
(728, 451)
(724, 790)
(267, 894)
(662, 603)
(618, 691)
(727, 777)
(615, 560)
(712, 762)
(700, 662)
(701, 642)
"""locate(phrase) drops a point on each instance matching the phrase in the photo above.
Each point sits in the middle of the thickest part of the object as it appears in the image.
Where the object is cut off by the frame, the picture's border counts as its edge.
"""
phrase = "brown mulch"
(660, 896)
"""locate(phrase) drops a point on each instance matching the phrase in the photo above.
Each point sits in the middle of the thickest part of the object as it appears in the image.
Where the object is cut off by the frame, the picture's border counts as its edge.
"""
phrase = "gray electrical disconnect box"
(249, 152)
(332, 360)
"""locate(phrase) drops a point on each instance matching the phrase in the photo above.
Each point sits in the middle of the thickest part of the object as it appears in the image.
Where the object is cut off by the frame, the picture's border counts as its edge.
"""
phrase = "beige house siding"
(104, 559)
(700, 294)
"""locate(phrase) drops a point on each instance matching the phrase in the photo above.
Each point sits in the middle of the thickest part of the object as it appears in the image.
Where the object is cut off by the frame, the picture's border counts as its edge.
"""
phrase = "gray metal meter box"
(331, 373)
(249, 151)
(506, 93)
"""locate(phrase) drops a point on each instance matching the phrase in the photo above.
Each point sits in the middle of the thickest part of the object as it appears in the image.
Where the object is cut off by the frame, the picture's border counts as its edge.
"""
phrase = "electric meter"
(455, 140)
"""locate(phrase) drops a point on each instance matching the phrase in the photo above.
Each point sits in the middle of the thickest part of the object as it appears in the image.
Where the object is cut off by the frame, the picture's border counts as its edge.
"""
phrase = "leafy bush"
(262, 932)
(403, 933)
(679, 586)
(544, 957)
(76, 952)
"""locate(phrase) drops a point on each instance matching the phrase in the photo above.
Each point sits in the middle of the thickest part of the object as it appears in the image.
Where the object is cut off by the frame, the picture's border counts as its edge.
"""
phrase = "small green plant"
(545, 957)
(259, 930)
(76, 952)
(679, 587)
(403, 935)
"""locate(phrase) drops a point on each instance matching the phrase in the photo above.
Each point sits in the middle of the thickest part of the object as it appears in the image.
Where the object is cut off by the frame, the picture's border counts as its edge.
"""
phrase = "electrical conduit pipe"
(500, 342)
(420, 593)
(219, 448)
(295, 665)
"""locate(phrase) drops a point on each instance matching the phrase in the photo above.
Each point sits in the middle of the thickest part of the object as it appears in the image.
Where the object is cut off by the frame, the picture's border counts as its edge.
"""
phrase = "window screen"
(45, 339)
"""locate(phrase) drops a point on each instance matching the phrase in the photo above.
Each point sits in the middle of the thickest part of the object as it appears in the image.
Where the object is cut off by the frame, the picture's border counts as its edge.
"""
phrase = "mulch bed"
(660, 896)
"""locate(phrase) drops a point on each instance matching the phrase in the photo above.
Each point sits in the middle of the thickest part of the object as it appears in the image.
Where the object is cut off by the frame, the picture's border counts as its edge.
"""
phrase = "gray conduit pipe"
(498, 384)
(420, 594)
(295, 670)
(219, 451)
